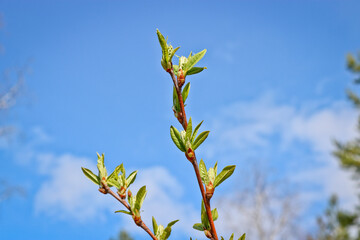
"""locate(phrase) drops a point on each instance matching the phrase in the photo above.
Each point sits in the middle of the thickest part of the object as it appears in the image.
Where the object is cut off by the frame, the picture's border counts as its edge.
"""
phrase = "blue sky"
(274, 92)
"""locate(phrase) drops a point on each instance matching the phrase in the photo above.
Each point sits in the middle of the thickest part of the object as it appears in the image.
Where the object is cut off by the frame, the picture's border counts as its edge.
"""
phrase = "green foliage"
(186, 139)
(160, 232)
(337, 224)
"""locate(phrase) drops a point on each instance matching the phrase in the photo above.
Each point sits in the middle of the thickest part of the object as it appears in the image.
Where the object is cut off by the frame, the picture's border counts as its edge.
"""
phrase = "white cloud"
(251, 127)
(68, 194)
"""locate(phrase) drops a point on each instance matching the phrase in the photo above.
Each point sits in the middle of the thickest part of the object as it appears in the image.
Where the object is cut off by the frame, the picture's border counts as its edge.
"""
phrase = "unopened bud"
(209, 190)
(190, 155)
(181, 78)
(102, 190)
(129, 194)
(208, 234)
(137, 220)
(122, 192)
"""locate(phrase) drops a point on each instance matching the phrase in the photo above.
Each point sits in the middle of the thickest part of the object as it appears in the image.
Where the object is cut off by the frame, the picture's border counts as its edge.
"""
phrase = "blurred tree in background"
(337, 224)
(123, 235)
(9, 91)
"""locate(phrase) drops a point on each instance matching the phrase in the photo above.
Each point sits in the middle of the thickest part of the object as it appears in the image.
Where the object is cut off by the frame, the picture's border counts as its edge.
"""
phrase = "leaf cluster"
(188, 139)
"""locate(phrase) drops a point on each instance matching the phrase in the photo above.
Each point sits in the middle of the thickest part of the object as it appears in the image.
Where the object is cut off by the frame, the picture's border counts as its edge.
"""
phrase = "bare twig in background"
(265, 208)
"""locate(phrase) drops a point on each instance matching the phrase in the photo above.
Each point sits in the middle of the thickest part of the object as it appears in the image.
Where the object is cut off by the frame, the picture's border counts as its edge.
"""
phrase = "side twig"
(126, 205)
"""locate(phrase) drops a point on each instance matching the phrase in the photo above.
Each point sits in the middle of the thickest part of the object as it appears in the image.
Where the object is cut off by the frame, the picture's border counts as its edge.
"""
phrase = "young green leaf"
(200, 139)
(155, 226)
(195, 70)
(116, 172)
(224, 174)
(203, 172)
(123, 211)
(112, 180)
(211, 174)
(162, 40)
(231, 237)
(167, 230)
(131, 178)
(214, 214)
(170, 224)
(222, 238)
(194, 59)
(140, 196)
(176, 100)
(175, 136)
(185, 92)
(204, 217)
(242, 237)
(173, 52)
(198, 226)
(215, 169)
(176, 69)
(101, 167)
(89, 174)
(189, 129)
(196, 131)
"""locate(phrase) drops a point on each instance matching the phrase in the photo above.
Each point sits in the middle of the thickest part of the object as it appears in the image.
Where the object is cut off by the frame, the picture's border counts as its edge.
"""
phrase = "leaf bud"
(209, 190)
(190, 155)
(122, 192)
(208, 234)
(181, 78)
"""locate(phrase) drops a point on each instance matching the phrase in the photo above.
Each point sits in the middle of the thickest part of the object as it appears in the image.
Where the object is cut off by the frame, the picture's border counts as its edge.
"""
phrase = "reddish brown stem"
(205, 199)
(178, 91)
(194, 162)
(123, 202)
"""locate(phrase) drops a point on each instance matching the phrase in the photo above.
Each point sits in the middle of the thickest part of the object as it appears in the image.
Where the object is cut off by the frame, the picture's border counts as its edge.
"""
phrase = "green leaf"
(189, 130)
(203, 172)
(89, 174)
(162, 40)
(195, 70)
(185, 92)
(242, 237)
(215, 169)
(211, 174)
(204, 217)
(176, 100)
(196, 131)
(200, 139)
(173, 52)
(231, 237)
(140, 196)
(160, 232)
(214, 214)
(167, 230)
(198, 226)
(176, 69)
(172, 223)
(112, 179)
(175, 136)
(155, 226)
(101, 167)
(116, 172)
(222, 238)
(131, 178)
(123, 211)
(224, 174)
(194, 59)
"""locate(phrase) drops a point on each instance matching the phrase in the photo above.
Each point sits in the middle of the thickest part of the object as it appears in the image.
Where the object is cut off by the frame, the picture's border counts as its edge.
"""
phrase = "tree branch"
(123, 202)
(194, 162)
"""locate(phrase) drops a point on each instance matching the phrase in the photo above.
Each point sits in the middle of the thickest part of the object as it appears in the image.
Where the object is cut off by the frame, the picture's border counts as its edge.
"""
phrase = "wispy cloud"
(263, 125)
